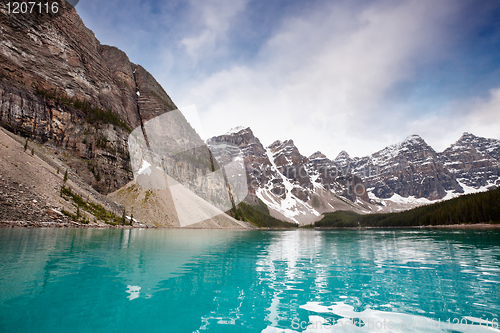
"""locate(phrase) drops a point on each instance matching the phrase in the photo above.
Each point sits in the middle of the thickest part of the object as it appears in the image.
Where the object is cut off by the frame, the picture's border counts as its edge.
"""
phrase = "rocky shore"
(70, 224)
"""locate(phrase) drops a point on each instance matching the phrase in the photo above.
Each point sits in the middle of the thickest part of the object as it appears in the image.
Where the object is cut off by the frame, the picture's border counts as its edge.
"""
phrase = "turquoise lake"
(90, 280)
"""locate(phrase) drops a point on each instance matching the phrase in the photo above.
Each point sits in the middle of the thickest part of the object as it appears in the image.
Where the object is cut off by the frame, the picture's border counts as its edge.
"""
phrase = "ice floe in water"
(379, 321)
(134, 292)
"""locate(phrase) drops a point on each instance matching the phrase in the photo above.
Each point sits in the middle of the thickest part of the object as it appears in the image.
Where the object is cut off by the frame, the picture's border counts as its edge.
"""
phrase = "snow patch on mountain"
(236, 130)
(396, 198)
(467, 190)
(291, 207)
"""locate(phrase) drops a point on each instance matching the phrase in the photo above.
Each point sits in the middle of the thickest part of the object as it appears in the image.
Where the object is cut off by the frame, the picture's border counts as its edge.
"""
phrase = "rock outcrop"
(474, 161)
(259, 170)
(410, 168)
(60, 86)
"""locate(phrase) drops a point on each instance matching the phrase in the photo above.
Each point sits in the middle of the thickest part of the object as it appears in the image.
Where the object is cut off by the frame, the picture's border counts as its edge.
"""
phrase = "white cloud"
(485, 115)
(323, 79)
(212, 20)
(479, 116)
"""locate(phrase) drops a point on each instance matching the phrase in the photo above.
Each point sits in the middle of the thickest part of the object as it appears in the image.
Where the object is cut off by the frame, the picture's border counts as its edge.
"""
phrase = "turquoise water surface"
(76, 280)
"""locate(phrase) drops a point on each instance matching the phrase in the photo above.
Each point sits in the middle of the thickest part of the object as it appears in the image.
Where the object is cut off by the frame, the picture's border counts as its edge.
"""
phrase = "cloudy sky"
(331, 75)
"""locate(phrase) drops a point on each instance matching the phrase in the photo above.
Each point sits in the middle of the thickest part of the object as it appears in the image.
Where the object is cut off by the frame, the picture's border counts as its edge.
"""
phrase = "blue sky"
(331, 75)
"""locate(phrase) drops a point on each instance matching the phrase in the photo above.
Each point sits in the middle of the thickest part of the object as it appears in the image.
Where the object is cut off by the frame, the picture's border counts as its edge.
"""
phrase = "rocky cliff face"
(260, 172)
(290, 184)
(292, 165)
(60, 86)
(410, 168)
(339, 180)
(474, 161)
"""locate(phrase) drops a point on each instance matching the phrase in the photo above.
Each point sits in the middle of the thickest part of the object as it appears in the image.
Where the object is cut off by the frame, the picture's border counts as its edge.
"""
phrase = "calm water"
(54, 280)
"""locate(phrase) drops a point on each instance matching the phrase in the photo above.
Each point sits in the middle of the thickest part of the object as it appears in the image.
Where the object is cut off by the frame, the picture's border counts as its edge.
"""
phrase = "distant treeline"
(469, 209)
(259, 216)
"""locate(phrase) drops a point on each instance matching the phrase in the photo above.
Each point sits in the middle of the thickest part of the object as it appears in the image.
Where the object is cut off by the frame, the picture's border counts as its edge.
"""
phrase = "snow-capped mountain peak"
(318, 156)
(237, 129)
(342, 156)
(475, 161)
(414, 139)
(343, 159)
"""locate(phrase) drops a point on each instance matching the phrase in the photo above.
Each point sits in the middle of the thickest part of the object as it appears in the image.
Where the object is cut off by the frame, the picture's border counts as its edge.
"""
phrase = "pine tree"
(124, 217)
(65, 179)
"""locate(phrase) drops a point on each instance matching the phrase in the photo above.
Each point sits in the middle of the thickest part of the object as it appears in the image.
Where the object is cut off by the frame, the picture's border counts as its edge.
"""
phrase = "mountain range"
(411, 173)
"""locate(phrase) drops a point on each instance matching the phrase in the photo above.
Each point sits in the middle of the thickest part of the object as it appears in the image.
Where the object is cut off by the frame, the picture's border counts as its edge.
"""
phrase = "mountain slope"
(31, 181)
(474, 161)
(264, 180)
(155, 206)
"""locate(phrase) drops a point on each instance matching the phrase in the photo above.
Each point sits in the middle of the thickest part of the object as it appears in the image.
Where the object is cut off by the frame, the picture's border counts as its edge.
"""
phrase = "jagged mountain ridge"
(474, 160)
(400, 176)
(289, 183)
(410, 168)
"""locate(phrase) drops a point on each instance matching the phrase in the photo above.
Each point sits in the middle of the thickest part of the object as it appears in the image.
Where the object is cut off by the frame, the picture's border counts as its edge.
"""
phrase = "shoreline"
(464, 226)
(438, 226)
(75, 225)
